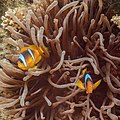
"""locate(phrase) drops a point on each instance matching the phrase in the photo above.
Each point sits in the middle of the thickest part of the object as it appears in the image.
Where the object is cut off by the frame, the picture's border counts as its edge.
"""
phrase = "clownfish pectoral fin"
(96, 84)
(80, 85)
(83, 71)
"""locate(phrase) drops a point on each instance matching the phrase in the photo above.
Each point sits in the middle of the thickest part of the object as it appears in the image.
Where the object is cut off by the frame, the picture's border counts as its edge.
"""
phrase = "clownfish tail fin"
(96, 84)
(80, 85)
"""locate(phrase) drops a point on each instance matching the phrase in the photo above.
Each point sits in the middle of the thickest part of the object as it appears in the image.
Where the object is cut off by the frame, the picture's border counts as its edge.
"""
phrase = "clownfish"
(29, 57)
(88, 84)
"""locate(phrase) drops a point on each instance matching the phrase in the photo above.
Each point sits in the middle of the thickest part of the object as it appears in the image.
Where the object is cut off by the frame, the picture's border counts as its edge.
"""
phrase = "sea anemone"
(78, 35)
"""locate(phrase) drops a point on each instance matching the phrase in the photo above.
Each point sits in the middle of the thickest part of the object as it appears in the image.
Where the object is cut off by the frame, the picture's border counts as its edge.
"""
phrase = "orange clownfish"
(88, 84)
(29, 57)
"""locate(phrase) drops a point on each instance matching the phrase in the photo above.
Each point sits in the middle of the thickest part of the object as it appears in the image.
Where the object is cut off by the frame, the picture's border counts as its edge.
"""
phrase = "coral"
(4, 47)
(78, 35)
(116, 20)
(5, 4)
(8, 21)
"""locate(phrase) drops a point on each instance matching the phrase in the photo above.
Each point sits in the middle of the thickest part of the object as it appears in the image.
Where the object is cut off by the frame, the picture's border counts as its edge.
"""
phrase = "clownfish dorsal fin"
(22, 58)
(80, 85)
(96, 84)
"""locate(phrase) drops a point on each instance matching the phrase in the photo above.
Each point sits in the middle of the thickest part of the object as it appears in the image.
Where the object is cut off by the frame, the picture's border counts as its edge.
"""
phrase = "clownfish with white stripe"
(88, 84)
(29, 57)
